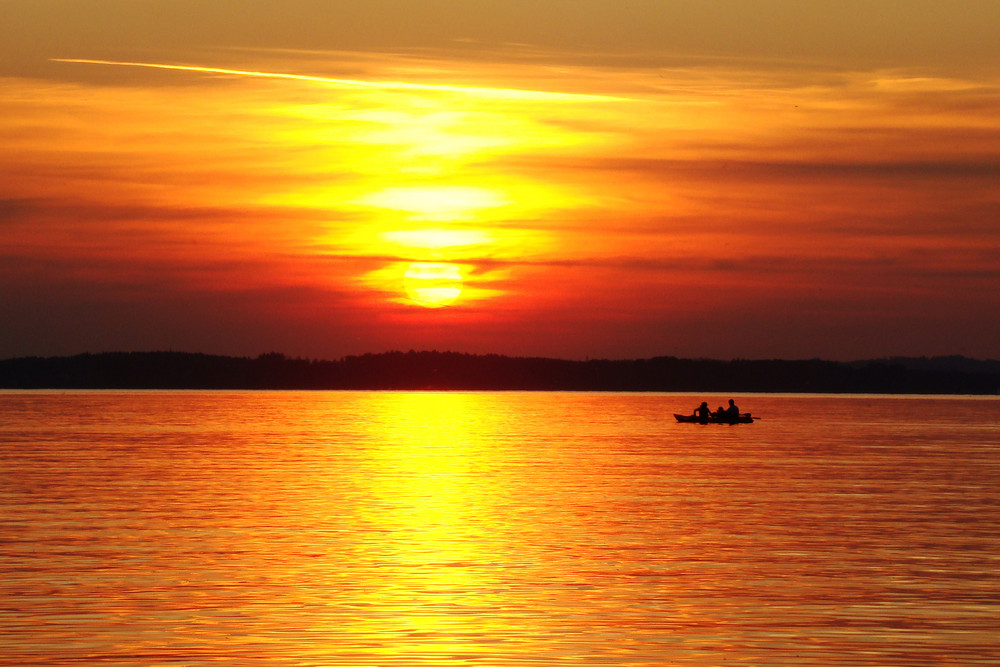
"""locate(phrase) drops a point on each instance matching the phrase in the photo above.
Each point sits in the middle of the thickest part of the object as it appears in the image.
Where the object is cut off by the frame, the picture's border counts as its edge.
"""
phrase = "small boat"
(744, 418)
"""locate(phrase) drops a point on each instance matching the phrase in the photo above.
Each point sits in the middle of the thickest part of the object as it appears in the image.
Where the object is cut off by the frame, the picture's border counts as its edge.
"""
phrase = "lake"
(426, 528)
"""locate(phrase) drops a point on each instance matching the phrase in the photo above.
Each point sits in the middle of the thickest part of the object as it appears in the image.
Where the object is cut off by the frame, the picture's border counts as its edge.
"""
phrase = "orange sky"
(568, 179)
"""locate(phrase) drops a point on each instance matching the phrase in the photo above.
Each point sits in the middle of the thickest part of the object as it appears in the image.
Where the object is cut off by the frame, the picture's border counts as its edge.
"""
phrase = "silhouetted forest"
(450, 370)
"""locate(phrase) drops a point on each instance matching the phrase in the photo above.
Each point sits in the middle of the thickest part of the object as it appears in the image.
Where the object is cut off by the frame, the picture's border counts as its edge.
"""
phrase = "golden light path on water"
(429, 528)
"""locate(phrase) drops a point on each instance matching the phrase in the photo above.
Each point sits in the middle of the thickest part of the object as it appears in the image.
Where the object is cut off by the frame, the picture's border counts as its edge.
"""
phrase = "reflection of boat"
(744, 418)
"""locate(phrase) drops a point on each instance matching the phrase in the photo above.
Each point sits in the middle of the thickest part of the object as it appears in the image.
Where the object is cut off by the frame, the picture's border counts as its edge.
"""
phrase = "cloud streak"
(503, 93)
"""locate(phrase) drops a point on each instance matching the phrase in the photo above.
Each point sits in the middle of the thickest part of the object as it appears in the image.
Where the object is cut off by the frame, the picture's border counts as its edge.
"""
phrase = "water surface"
(421, 528)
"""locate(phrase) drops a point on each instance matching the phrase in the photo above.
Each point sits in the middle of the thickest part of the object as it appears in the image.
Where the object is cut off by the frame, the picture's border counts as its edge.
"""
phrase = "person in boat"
(720, 413)
(732, 412)
(702, 412)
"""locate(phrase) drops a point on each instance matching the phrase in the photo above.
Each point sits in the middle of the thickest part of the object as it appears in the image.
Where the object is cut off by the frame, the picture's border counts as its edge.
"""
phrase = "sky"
(570, 178)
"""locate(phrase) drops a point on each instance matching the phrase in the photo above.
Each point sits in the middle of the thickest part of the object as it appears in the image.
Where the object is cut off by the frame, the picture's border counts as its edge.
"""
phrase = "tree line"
(451, 370)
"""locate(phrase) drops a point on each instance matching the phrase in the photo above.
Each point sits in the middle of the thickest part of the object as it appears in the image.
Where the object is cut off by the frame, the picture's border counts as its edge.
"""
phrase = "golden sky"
(571, 179)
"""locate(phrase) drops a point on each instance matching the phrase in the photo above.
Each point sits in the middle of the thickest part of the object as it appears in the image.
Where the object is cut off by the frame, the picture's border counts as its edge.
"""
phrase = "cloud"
(976, 167)
(479, 91)
(237, 193)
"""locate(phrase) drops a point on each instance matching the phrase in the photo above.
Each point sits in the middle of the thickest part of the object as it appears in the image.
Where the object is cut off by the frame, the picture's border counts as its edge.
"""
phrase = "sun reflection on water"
(429, 528)
(435, 491)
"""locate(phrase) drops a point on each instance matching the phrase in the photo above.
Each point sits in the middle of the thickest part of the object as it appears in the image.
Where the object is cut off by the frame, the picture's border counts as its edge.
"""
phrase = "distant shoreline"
(458, 371)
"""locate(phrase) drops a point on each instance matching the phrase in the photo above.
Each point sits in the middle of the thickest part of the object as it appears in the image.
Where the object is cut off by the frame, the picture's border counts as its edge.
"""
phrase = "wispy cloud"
(511, 93)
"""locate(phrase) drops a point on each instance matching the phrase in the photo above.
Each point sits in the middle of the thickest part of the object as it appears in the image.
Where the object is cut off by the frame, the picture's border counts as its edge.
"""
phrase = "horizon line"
(506, 355)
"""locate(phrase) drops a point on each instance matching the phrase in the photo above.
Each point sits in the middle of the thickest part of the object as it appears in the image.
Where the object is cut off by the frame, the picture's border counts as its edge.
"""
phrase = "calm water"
(381, 528)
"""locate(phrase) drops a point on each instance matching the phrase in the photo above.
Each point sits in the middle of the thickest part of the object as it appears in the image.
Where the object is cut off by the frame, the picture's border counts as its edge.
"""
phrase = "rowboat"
(744, 418)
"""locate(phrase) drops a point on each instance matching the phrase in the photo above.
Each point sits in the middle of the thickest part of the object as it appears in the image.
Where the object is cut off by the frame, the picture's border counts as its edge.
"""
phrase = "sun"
(433, 284)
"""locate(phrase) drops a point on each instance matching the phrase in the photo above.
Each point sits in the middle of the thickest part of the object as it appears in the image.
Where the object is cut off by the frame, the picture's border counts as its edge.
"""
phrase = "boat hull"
(692, 419)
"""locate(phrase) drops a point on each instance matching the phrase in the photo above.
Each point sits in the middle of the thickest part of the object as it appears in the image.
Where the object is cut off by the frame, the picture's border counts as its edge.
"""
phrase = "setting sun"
(433, 284)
